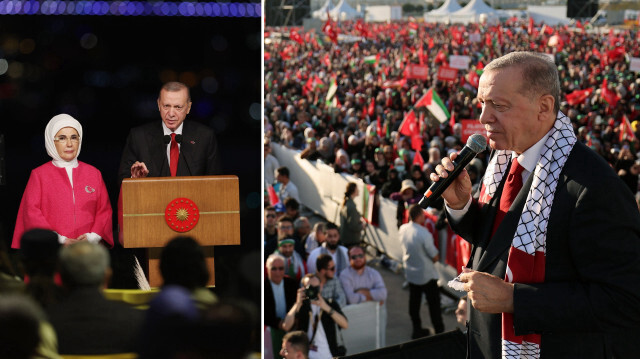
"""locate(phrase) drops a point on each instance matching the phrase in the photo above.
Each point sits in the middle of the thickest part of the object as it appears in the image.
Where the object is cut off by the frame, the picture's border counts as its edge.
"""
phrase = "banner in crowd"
(459, 62)
(415, 71)
(447, 73)
(470, 127)
(634, 65)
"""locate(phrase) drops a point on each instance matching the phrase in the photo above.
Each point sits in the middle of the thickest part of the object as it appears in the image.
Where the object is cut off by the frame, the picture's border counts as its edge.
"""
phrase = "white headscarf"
(56, 124)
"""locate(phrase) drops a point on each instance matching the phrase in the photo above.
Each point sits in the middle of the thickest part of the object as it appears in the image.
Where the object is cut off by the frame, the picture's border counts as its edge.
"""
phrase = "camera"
(312, 292)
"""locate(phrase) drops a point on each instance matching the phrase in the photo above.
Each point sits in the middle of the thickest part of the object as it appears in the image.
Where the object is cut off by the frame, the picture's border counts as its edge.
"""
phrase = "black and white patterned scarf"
(527, 253)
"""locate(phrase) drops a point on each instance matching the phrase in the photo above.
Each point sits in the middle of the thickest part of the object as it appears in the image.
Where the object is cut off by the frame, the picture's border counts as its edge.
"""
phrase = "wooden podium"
(149, 207)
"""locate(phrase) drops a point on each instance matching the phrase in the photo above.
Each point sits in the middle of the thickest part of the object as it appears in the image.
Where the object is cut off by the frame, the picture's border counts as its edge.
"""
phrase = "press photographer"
(318, 318)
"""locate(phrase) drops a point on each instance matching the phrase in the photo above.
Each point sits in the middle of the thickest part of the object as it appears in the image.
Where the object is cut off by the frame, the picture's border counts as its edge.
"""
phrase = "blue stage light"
(129, 8)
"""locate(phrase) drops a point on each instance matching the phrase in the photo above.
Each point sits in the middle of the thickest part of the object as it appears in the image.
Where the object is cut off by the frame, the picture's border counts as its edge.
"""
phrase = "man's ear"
(546, 108)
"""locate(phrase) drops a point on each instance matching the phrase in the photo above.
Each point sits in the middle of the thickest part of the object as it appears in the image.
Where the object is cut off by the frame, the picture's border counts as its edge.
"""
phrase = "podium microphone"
(475, 144)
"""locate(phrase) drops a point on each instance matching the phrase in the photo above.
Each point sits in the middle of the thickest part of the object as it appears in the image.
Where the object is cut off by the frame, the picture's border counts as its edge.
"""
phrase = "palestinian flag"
(368, 202)
(373, 59)
(435, 105)
(273, 196)
(332, 91)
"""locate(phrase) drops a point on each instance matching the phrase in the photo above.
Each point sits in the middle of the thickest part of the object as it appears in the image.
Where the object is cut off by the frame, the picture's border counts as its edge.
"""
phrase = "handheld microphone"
(475, 144)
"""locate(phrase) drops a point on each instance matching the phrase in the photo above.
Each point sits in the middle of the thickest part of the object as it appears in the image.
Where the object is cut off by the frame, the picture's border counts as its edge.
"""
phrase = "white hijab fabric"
(56, 124)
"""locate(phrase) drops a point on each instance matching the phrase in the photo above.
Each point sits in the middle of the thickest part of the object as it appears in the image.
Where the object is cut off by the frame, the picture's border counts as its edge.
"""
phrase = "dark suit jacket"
(198, 151)
(87, 323)
(589, 303)
(290, 295)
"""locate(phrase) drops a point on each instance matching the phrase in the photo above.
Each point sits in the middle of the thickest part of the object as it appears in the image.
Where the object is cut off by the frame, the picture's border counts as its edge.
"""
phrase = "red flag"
(295, 36)
(327, 60)
(578, 96)
(474, 79)
(530, 27)
(626, 131)
(418, 160)
(608, 95)
(616, 54)
(273, 196)
(452, 121)
(360, 27)
(372, 107)
(330, 29)
(416, 138)
(431, 44)
(409, 126)
(379, 128)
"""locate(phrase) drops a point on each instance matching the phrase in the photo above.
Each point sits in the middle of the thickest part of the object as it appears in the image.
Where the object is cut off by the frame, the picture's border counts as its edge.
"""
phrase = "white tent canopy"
(442, 13)
(474, 11)
(344, 11)
(447, 8)
(321, 13)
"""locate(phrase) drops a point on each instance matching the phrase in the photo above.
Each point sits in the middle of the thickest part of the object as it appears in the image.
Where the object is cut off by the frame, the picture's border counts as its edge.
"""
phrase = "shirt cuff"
(93, 237)
(61, 238)
(457, 214)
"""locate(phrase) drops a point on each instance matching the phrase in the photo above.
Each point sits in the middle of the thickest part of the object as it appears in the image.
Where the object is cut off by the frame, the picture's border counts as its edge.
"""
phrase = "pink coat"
(48, 202)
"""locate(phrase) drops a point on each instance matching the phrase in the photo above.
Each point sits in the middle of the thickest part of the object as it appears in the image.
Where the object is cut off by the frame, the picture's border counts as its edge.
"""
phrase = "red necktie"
(174, 152)
(511, 189)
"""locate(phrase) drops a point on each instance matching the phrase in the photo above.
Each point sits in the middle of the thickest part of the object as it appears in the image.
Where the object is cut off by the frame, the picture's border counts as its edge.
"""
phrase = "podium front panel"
(145, 200)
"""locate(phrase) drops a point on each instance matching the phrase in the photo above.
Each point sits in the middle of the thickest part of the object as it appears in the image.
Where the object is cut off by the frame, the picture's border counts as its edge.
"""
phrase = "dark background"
(106, 71)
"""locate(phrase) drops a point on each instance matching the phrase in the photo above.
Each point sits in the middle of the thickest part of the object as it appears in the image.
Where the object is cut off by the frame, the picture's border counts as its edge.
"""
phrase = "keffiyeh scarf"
(526, 262)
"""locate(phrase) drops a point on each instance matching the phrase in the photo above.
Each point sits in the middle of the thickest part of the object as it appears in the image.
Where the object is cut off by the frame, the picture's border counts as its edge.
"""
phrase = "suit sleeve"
(601, 292)
(469, 225)
(212, 155)
(129, 157)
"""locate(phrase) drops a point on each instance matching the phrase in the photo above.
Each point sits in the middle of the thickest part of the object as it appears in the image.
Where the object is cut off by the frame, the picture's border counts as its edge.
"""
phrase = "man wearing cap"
(356, 168)
(294, 266)
(173, 147)
(407, 196)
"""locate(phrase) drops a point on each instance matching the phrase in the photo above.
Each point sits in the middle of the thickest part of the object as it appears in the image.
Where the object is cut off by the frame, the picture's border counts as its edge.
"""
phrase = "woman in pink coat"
(65, 195)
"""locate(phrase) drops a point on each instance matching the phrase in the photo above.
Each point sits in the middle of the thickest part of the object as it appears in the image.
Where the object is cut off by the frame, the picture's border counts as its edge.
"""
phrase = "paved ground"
(398, 321)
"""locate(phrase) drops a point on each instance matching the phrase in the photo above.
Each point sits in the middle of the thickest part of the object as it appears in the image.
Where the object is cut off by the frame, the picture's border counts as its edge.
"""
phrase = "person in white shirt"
(419, 256)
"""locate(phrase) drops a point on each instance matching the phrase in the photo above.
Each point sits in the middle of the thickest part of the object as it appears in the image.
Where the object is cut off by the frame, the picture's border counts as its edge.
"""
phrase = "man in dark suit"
(85, 321)
(556, 256)
(150, 149)
(279, 296)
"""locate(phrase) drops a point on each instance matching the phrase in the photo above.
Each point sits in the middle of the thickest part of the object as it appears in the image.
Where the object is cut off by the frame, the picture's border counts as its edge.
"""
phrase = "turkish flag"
(295, 36)
(418, 160)
(409, 125)
(578, 96)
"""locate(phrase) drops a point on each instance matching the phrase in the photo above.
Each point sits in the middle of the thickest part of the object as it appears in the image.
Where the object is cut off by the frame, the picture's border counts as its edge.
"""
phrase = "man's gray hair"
(83, 264)
(175, 86)
(539, 74)
(272, 258)
(299, 221)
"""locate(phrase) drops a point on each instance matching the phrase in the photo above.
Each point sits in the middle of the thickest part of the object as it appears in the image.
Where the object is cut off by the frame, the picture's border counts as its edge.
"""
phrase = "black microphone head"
(477, 143)
(179, 138)
(166, 139)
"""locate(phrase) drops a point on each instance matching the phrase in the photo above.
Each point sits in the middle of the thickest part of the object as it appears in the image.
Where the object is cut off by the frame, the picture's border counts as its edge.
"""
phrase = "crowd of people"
(332, 102)
(310, 275)
(347, 101)
(60, 309)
